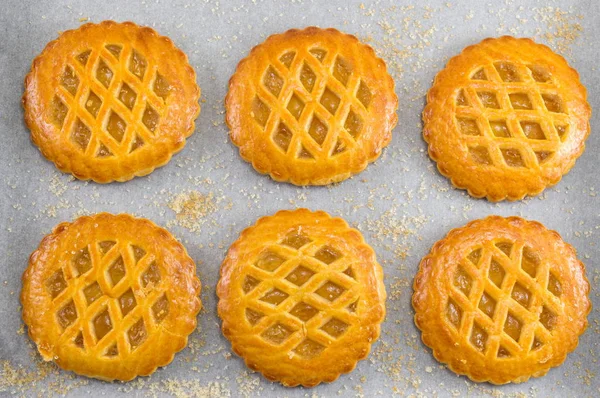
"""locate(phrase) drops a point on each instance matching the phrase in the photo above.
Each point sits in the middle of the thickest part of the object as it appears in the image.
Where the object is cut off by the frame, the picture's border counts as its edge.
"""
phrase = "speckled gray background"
(400, 203)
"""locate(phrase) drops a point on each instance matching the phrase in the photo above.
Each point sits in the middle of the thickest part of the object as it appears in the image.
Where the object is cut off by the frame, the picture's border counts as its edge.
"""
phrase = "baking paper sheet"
(206, 195)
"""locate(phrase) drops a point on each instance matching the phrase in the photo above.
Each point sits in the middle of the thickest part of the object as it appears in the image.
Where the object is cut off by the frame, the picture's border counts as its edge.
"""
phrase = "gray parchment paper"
(206, 195)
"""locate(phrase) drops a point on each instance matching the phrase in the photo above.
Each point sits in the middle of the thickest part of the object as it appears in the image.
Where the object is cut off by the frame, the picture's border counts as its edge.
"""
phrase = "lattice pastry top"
(110, 296)
(110, 101)
(301, 297)
(506, 118)
(311, 106)
(501, 300)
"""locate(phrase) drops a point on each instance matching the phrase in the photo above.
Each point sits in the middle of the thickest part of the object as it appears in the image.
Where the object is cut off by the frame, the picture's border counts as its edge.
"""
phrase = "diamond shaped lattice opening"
(272, 81)
(508, 72)
(269, 261)
(92, 292)
(138, 64)
(160, 309)
(127, 96)
(363, 94)
(83, 57)
(138, 253)
(475, 256)
(304, 311)
(282, 137)
(67, 315)
(505, 247)
(295, 106)
(512, 157)
(307, 77)
(500, 128)
(260, 111)
(353, 124)
(105, 246)
(487, 305)
(327, 254)
(488, 99)
(318, 53)
(300, 275)
(102, 324)
(530, 261)
(274, 297)
(93, 104)
(253, 316)
(330, 291)
(249, 284)
(114, 49)
(342, 70)
(520, 101)
(277, 333)
(478, 337)
(81, 134)
(454, 313)
(127, 302)
(151, 276)
(533, 130)
(82, 261)
(295, 239)
(521, 295)
(480, 154)
(309, 349)
(59, 111)
(69, 80)
(137, 334)
(513, 327)
(317, 130)
(335, 327)
(287, 58)
(463, 281)
(330, 101)
(468, 126)
(116, 126)
(161, 86)
(56, 284)
(116, 271)
(150, 118)
(554, 286)
(496, 273)
(103, 73)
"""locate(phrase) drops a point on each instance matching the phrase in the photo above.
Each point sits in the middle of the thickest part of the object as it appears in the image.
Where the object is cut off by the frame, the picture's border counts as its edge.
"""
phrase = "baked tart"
(110, 296)
(311, 106)
(301, 297)
(501, 300)
(110, 101)
(506, 118)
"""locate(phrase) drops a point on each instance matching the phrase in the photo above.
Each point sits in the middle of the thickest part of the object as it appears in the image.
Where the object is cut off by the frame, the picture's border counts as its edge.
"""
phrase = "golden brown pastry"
(110, 101)
(110, 296)
(301, 297)
(506, 118)
(311, 106)
(501, 300)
